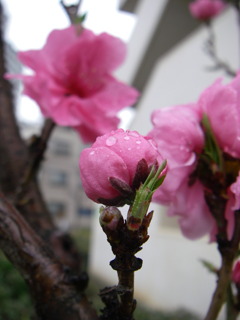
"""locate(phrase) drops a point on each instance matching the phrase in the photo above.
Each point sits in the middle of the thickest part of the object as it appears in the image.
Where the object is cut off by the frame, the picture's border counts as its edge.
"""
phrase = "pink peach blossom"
(179, 138)
(179, 134)
(206, 9)
(189, 205)
(221, 104)
(73, 82)
(116, 155)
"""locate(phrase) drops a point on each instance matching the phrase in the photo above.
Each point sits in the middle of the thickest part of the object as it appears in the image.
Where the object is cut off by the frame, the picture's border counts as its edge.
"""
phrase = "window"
(83, 211)
(60, 147)
(57, 177)
(57, 209)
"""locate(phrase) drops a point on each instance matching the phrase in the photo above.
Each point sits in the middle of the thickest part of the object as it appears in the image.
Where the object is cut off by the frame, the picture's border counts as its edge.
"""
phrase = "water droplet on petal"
(111, 141)
(134, 134)
(138, 142)
(126, 138)
(129, 149)
(92, 153)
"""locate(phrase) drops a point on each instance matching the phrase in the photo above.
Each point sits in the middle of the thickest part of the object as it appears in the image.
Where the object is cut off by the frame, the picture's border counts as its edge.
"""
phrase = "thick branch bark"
(56, 293)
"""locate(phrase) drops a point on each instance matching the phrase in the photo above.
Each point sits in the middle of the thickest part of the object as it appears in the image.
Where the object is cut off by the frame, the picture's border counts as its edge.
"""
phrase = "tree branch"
(72, 10)
(228, 251)
(125, 244)
(37, 150)
(55, 291)
(18, 167)
(210, 49)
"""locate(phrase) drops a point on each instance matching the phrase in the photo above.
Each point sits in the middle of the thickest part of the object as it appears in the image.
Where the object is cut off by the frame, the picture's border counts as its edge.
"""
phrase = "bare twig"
(210, 48)
(228, 251)
(72, 10)
(37, 150)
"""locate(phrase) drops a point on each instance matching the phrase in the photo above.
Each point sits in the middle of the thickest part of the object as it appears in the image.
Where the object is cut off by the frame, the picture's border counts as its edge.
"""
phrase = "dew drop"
(126, 138)
(111, 141)
(129, 149)
(134, 134)
(138, 142)
(92, 153)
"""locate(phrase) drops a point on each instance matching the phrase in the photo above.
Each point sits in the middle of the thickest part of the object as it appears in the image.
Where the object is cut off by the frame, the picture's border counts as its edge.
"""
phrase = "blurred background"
(167, 62)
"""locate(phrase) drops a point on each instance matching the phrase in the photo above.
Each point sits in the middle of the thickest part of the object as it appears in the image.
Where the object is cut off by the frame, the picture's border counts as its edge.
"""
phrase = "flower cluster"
(201, 143)
(72, 81)
(206, 9)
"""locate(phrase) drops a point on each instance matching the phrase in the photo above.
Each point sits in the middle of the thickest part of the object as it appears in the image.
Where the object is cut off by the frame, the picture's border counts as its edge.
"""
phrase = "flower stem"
(125, 244)
(127, 302)
(219, 296)
(228, 251)
(210, 48)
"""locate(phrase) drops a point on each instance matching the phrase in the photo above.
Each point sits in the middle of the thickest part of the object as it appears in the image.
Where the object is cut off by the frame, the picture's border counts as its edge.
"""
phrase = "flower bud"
(206, 9)
(110, 217)
(115, 166)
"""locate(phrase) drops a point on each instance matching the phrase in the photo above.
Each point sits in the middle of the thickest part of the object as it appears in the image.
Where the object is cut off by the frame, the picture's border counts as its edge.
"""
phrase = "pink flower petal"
(194, 217)
(95, 173)
(73, 84)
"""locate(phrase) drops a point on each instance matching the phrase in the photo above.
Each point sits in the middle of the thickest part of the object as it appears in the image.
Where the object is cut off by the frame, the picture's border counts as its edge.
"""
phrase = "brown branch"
(72, 10)
(210, 48)
(18, 165)
(228, 251)
(11, 144)
(55, 292)
(37, 149)
(125, 244)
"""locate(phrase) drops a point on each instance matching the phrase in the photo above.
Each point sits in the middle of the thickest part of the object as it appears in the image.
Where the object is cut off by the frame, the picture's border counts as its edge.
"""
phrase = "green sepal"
(211, 148)
(209, 266)
(145, 192)
(80, 19)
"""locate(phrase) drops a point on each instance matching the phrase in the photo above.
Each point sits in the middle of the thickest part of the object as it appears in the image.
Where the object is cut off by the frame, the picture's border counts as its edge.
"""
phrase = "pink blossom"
(179, 138)
(189, 205)
(236, 273)
(73, 82)
(221, 104)
(206, 9)
(114, 155)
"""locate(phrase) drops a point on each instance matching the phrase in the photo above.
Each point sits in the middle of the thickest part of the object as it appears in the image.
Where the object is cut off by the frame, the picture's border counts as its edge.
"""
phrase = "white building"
(59, 178)
(170, 67)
